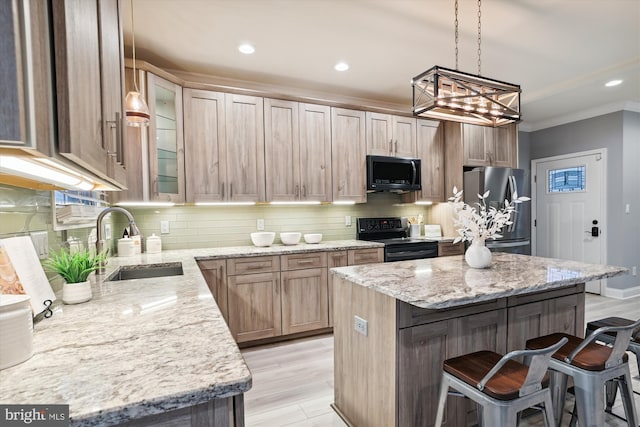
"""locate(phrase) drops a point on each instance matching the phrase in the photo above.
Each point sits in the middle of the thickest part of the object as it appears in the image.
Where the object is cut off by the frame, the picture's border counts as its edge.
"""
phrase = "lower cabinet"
(215, 273)
(334, 259)
(304, 293)
(422, 350)
(270, 296)
(448, 248)
(254, 302)
(532, 320)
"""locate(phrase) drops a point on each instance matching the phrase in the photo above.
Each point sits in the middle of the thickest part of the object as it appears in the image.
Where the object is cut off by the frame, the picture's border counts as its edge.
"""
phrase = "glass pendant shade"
(445, 94)
(136, 110)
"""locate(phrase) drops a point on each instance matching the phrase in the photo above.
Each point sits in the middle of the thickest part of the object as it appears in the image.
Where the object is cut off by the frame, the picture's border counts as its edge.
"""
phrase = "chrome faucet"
(133, 231)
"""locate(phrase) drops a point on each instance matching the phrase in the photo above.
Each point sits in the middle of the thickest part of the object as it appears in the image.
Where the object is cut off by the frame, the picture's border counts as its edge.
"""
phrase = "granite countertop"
(446, 282)
(140, 347)
(279, 249)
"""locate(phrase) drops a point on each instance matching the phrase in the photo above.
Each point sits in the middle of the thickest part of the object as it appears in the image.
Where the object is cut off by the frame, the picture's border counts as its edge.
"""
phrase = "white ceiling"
(561, 52)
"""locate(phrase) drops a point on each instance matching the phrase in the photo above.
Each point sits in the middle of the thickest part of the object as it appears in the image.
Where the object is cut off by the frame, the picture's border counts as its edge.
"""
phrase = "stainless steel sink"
(146, 271)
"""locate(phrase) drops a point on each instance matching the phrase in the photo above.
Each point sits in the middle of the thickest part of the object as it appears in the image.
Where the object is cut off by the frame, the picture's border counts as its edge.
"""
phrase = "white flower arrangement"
(481, 223)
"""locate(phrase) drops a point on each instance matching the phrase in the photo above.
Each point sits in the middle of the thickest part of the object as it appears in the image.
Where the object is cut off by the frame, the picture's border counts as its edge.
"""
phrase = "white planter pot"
(75, 293)
(478, 255)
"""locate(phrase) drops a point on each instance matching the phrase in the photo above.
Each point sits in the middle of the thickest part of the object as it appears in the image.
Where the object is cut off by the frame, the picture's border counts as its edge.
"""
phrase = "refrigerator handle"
(514, 215)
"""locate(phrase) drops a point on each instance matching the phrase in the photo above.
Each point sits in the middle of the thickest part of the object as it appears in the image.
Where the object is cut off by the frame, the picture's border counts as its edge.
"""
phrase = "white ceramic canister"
(154, 244)
(126, 247)
(137, 244)
(16, 330)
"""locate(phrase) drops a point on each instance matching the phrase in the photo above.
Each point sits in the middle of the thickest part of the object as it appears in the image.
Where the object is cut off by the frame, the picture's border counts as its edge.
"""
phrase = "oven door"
(407, 251)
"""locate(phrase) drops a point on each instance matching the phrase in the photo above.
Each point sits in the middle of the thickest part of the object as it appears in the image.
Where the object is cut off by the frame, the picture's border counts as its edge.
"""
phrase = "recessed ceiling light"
(613, 83)
(246, 48)
(341, 66)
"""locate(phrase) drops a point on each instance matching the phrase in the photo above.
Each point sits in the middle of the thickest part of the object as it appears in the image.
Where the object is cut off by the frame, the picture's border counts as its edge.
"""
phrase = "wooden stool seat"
(612, 321)
(501, 386)
(505, 385)
(592, 358)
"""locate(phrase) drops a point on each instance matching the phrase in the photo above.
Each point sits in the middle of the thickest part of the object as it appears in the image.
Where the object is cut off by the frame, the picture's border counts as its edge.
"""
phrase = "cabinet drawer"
(301, 261)
(448, 248)
(337, 259)
(250, 265)
(365, 256)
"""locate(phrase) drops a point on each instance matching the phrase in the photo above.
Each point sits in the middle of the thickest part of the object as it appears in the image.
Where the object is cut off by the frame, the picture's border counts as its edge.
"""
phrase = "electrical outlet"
(40, 241)
(634, 271)
(107, 231)
(347, 221)
(360, 325)
(627, 208)
(164, 227)
(260, 224)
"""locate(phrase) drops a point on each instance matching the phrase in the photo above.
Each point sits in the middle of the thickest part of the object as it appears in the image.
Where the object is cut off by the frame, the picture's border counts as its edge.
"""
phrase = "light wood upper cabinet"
(112, 88)
(166, 140)
(389, 135)
(348, 155)
(78, 83)
(25, 52)
(485, 146)
(470, 145)
(505, 146)
(297, 151)
(244, 148)
(205, 145)
(89, 85)
(430, 150)
(315, 152)
(282, 150)
(13, 77)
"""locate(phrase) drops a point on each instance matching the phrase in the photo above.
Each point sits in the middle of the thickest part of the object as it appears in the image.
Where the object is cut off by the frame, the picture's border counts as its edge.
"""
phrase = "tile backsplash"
(24, 211)
(200, 226)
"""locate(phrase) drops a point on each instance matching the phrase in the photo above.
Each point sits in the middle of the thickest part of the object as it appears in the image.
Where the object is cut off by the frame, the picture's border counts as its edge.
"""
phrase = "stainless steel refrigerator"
(502, 183)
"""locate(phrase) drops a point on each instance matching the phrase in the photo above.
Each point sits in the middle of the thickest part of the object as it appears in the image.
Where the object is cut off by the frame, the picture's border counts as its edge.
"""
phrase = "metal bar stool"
(591, 365)
(502, 387)
(609, 338)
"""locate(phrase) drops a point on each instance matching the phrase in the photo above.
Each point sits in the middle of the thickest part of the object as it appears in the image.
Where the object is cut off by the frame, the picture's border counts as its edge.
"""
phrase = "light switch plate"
(347, 221)
(164, 227)
(107, 231)
(260, 224)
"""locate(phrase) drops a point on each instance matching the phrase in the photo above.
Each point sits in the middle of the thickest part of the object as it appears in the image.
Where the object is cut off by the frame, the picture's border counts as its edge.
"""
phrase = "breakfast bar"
(395, 323)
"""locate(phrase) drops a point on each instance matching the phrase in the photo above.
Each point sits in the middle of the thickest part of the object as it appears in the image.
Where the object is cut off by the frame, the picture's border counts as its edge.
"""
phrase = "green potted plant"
(75, 268)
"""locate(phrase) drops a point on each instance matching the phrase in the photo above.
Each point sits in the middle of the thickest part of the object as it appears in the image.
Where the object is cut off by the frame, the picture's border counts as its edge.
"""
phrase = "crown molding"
(581, 115)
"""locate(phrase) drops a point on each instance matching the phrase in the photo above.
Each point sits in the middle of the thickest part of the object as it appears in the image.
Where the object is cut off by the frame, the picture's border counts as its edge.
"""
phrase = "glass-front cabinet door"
(166, 144)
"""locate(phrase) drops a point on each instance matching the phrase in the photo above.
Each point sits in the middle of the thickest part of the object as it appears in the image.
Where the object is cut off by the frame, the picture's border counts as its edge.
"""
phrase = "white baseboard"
(622, 293)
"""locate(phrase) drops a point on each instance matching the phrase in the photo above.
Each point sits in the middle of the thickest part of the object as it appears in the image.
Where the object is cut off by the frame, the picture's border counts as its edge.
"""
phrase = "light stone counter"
(139, 347)
(447, 282)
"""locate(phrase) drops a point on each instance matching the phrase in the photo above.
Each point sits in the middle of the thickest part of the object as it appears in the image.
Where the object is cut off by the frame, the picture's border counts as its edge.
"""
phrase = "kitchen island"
(144, 352)
(418, 313)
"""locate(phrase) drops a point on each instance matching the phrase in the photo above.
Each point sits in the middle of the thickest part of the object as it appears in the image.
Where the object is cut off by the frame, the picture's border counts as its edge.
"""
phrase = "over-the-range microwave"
(386, 173)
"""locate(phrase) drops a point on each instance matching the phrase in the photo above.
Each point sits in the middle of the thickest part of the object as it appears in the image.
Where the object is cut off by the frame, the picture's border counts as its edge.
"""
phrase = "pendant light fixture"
(136, 109)
(446, 94)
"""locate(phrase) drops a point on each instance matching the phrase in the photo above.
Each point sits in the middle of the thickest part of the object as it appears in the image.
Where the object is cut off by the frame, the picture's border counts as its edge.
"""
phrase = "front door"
(569, 209)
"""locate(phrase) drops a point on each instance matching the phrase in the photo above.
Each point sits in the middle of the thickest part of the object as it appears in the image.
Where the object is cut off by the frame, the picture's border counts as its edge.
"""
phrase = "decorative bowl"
(263, 238)
(290, 238)
(313, 237)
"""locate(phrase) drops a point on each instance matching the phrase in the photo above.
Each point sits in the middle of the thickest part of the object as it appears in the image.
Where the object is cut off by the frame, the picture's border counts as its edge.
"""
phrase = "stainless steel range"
(397, 246)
